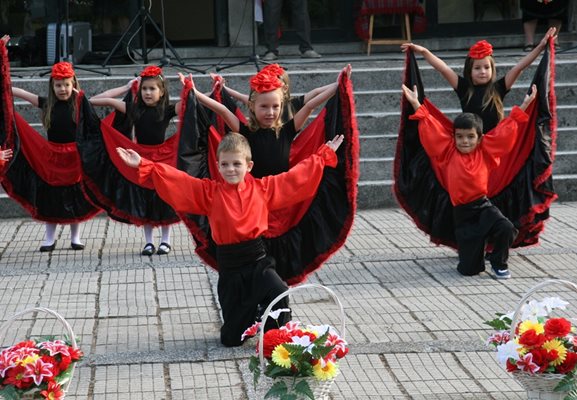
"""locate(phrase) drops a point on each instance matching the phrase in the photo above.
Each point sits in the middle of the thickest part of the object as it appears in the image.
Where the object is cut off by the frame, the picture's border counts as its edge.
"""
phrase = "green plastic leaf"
(566, 384)
(303, 388)
(278, 389)
(9, 393)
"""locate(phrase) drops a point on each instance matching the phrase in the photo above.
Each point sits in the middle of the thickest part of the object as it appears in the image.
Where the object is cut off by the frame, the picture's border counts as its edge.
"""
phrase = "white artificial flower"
(304, 341)
(506, 351)
(276, 313)
(551, 303)
(532, 310)
(320, 330)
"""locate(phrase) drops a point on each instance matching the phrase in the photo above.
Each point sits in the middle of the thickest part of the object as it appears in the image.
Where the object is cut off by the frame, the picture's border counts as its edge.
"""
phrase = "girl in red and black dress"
(479, 90)
(59, 120)
(145, 122)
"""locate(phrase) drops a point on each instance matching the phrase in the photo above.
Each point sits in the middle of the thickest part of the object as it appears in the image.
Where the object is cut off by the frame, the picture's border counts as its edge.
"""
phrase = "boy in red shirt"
(237, 209)
(465, 157)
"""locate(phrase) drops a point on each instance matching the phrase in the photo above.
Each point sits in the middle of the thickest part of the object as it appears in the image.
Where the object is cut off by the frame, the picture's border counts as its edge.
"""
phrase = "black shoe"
(163, 248)
(148, 249)
(47, 249)
(77, 246)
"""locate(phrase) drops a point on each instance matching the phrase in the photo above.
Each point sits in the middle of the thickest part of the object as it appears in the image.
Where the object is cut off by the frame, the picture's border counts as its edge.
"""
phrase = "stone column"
(240, 17)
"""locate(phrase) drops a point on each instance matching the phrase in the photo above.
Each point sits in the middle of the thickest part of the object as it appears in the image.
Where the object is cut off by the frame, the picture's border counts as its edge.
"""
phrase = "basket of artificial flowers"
(38, 369)
(539, 350)
(298, 361)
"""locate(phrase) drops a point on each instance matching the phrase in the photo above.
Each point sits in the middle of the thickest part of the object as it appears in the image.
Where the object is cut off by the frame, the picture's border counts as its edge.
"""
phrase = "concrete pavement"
(149, 325)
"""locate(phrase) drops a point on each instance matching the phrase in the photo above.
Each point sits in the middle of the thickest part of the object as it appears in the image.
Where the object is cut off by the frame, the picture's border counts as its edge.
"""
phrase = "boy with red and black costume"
(465, 158)
(238, 209)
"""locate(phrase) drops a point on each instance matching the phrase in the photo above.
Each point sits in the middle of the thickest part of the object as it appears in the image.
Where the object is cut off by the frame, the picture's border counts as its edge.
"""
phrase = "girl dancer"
(148, 118)
(479, 90)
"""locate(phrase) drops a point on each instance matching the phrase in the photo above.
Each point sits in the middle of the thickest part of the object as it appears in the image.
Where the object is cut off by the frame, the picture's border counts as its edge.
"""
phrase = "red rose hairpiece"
(273, 69)
(151, 71)
(265, 82)
(481, 49)
(62, 70)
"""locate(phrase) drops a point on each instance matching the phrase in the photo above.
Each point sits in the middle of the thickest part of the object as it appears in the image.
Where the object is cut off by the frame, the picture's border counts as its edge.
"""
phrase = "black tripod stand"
(254, 58)
(67, 57)
(142, 18)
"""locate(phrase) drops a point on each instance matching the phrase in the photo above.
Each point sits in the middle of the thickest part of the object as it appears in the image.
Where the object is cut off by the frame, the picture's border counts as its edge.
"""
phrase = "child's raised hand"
(551, 33)
(5, 39)
(348, 70)
(129, 156)
(413, 47)
(218, 80)
(6, 155)
(529, 98)
(412, 96)
(336, 142)
(131, 82)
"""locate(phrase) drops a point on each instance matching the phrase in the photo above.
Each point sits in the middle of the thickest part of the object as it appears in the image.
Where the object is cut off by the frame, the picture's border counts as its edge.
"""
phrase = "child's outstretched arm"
(529, 98)
(331, 86)
(116, 92)
(25, 95)
(412, 96)
(516, 71)
(446, 71)
(303, 114)
(229, 118)
(220, 81)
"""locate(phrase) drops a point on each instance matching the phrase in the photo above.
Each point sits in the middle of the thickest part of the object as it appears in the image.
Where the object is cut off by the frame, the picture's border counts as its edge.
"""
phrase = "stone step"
(378, 194)
(377, 145)
(381, 168)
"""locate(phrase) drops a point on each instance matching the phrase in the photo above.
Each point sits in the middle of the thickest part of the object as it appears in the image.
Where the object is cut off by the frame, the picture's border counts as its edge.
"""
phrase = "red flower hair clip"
(264, 82)
(273, 69)
(151, 71)
(481, 49)
(62, 70)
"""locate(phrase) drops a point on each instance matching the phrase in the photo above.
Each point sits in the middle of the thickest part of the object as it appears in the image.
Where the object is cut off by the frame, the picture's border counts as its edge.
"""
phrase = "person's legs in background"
(271, 14)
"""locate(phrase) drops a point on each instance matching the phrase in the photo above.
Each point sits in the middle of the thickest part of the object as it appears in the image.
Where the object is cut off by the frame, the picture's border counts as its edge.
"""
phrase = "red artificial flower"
(540, 357)
(264, 82)
(557, 327)
(273, 69)
(55, 366)
(53, 392)
(75, 354)
(150, 71)
(531, 339)
(480, 50)
(27, 343)
(15, 377)
(569, 363)
(64, 362)
(273, 338)
(511, 367)
(62, 70)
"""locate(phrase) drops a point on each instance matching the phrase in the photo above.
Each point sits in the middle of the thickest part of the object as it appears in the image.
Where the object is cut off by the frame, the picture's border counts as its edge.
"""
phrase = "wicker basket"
(539, 386)
(35, 394)
(320, 389)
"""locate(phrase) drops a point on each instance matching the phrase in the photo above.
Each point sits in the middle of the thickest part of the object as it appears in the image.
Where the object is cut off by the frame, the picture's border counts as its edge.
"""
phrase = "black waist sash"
(465, 212)
(231, 256)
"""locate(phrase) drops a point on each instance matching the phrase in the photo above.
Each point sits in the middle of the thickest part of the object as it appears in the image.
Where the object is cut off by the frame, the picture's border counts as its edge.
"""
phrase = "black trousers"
(476, 224)
(244, 286)
(300, 20)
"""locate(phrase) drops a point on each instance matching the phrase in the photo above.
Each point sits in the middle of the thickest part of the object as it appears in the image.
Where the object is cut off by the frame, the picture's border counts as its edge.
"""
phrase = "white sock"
(165, 234)
(75, 233)
(49, 235)
(148, 233)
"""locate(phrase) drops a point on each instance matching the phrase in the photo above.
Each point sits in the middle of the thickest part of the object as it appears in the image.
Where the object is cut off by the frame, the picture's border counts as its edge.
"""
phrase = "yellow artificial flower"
(528, 325)
(557, 345)
(329, 371)
(280, 356)
(29, 359)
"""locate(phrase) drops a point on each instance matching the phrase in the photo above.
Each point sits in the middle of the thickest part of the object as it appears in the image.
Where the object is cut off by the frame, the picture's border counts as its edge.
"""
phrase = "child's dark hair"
(491, 95)
(138, 109)
(52, 99)
(234, 142)
(469, 121)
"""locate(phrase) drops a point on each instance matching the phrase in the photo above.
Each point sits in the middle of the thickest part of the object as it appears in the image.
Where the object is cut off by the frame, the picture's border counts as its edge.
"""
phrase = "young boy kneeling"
(466, 157)
(237, 210)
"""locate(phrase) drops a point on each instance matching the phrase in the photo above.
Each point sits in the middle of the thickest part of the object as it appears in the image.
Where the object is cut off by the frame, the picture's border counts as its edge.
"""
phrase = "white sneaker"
(310, 54)
(269, 56)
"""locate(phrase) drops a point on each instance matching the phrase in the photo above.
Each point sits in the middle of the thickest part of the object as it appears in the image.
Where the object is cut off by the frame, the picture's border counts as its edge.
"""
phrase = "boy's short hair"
(469, 121)
(234, 143)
